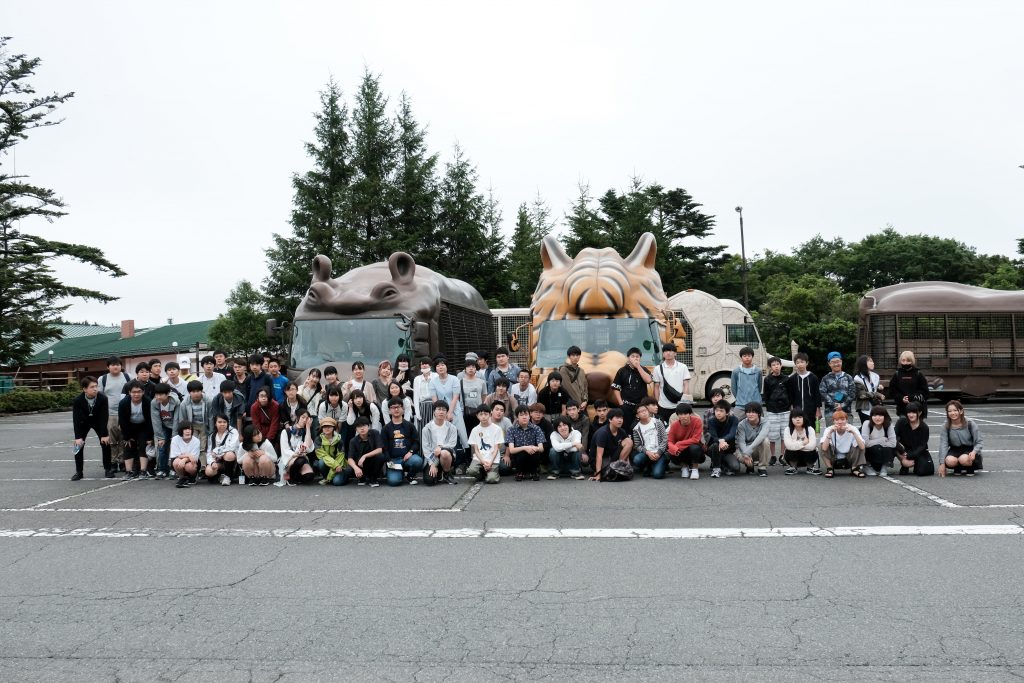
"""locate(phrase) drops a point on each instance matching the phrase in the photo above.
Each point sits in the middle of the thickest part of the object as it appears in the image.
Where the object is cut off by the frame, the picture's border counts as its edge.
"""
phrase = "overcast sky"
(835, 118)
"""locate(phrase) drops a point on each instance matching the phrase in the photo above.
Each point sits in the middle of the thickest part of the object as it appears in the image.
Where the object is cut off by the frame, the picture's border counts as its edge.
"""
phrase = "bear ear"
(321, 268)
(552, 255)
(402, 267)
(645, 253)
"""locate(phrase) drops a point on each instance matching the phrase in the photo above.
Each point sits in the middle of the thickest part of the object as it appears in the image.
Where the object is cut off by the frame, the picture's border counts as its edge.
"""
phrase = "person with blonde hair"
(909, 384)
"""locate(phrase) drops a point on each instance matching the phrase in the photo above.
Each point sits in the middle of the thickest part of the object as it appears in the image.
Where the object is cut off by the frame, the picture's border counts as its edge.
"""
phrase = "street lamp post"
(743, 254)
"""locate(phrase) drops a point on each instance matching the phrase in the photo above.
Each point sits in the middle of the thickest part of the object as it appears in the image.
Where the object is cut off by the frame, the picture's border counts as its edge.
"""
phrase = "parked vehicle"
(967, 340)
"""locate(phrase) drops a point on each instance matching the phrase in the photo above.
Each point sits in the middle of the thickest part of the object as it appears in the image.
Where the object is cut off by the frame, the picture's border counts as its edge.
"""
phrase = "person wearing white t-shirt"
(842, 446)
(566, 448)
(485, 440)
(674, 375)
(184, 455)
(421, 393)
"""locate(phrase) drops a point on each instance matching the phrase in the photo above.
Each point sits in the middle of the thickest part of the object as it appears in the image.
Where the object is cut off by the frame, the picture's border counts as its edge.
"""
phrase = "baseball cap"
(833, 355)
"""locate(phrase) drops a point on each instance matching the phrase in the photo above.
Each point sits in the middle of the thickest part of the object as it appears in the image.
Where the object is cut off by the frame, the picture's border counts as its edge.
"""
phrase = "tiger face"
(598, 283)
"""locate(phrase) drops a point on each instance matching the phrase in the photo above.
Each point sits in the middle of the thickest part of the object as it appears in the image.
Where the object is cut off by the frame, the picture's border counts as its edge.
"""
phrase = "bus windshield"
(369, 340)
(596, 335)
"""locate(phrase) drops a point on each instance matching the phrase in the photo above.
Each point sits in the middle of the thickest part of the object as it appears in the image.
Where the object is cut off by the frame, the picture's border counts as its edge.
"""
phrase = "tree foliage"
(32, 297)
(241, 330)
(533, 224)
(320, 211)
(619, 219)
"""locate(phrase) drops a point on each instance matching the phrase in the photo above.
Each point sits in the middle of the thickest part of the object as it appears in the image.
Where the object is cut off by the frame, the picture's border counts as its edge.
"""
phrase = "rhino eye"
(388, 291)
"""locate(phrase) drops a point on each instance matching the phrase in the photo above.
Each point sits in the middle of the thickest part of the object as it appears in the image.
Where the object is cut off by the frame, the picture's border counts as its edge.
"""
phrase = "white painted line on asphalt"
(997, 505)
(993, 422)
(83, 493)
(270, 511)
(921, 492)
(533, 533)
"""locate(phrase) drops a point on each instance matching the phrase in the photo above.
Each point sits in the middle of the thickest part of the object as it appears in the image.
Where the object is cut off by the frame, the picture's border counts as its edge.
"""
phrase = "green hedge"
(29, 400)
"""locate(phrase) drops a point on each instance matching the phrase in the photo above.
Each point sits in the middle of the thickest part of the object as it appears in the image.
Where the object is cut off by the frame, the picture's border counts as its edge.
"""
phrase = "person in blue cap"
(836, 388)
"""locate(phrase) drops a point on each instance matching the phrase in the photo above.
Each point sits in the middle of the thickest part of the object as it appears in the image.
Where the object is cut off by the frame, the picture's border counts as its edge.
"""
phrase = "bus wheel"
(723, 381)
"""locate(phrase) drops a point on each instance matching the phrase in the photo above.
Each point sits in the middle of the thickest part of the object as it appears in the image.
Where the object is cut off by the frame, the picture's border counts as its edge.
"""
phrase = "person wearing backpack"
(960, 443)
(671, 383)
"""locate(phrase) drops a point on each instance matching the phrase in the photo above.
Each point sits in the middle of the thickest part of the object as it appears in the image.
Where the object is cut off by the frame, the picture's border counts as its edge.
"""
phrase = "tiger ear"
(645, 253)
(552, 255)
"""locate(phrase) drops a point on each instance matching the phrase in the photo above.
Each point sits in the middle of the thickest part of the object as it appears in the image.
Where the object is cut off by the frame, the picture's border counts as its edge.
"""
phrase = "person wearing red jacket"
(685, 437)
(266, 415)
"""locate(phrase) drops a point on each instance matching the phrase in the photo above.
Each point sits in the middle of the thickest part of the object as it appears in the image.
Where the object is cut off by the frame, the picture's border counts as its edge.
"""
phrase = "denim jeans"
(571, 460)
(656, 467)
(163, 453)
(412, 466)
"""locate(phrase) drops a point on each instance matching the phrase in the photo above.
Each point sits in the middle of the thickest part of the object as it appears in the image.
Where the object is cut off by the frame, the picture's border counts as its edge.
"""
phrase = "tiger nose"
(598, 299)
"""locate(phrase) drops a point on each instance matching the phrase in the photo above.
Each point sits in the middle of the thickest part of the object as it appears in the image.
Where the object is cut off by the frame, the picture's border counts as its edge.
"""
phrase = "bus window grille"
(882, 336)
(686, 357)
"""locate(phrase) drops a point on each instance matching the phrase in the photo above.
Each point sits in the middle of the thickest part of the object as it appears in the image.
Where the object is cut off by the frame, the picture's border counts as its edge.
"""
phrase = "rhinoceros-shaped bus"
(376, 312)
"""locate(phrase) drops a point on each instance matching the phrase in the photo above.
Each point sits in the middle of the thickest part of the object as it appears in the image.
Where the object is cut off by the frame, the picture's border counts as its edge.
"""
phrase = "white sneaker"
(694, 474)
(225, 480)
(716, 472)
(685, 472)
(870, 471)
(884, 472)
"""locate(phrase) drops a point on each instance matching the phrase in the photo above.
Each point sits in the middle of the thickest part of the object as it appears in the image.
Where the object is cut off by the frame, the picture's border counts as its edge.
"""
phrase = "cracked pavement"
(234, 608)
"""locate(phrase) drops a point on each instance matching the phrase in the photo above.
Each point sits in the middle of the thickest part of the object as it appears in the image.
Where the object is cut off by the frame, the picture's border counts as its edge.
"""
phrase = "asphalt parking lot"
(784, 578)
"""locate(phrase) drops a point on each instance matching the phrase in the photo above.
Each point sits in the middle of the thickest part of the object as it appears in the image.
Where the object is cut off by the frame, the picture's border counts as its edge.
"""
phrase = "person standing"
(574, 380)
(509, 371)
(671, 383)
(133, 416)
(803, 390)
(745, 383)
(210, 378)
(775, 399)
(868, 387)
(89, 412)
(836, 389)
(630, 386)
(113, 386)
(908, 384)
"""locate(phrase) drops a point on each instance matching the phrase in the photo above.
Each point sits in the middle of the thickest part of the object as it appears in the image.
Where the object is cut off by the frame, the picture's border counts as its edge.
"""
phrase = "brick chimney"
(127, 329)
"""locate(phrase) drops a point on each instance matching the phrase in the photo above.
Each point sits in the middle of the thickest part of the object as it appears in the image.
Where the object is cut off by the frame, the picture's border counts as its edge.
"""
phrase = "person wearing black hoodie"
(802, 386)
(909, 384)
(775, 398)
(89, 411)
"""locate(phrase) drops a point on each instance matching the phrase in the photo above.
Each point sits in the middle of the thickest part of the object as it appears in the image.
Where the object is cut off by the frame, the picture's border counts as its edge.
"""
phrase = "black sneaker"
(535, 477)
(182, 484)
(762, 473)
(110, 474)
(77, 476)
(264, 481)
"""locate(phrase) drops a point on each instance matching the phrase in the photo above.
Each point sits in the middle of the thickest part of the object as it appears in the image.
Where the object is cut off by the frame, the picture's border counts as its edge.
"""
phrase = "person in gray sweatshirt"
(960, 443)
(438, 441)
(163, 413)
(752, 440)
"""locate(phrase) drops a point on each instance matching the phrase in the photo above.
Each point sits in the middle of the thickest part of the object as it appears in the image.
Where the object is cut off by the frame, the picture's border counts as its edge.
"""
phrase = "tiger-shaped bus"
(602, 303)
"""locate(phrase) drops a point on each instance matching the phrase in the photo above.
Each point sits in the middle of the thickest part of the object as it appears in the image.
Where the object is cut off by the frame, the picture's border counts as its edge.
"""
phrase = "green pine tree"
(533, 223)
(321, 207)
(32, 297)
(375, 159)
(415, 192)
(461, 234)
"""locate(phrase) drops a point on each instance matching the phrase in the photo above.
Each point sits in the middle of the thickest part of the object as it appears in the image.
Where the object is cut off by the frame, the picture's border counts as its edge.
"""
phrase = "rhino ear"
(402, 267)
(644, 253)
(552, 255)
(321, 268)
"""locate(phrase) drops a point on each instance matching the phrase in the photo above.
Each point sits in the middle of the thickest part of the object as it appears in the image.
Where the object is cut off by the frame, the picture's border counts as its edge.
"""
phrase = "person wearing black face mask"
(907, 385)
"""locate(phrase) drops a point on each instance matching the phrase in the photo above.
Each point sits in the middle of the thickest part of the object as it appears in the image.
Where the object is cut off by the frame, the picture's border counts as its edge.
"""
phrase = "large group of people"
(242, 421)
